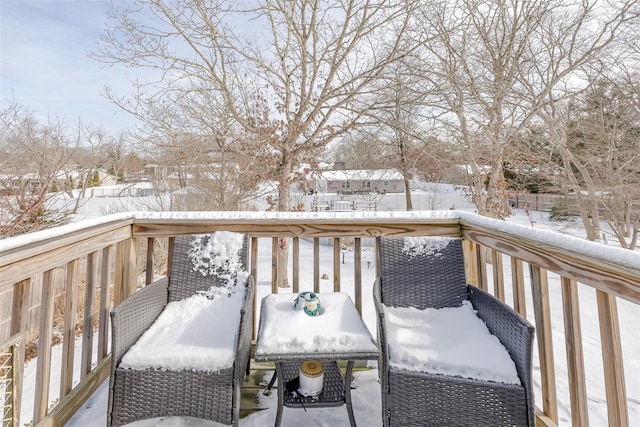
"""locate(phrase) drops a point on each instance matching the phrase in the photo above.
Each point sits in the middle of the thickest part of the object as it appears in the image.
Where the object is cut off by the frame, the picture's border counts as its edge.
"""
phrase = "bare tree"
(33, 156)
(358, 150)
(290, 73)
(494, 64)
(599, 148)
(398, 121)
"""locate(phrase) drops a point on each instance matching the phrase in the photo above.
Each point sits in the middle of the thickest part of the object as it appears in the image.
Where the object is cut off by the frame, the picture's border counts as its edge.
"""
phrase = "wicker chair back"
(422, 281)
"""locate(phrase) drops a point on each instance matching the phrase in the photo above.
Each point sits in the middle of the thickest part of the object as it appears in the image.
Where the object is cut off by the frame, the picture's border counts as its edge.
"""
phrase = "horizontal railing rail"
(70, 277)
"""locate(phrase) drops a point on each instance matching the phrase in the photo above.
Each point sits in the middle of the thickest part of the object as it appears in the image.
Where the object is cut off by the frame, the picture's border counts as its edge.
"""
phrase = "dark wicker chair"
(425, 399)
(136, 394)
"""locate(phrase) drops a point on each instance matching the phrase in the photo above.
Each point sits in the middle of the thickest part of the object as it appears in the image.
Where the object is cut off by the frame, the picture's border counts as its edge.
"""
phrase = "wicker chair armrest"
(381, 328)
(383, 360)
(377, 298)
(377, 302)
(243, 345)
(133, 317)
(513, 331)
(245, 332)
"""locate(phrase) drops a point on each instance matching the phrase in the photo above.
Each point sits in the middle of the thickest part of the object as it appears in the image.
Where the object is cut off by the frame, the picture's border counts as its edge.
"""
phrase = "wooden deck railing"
(80, 271)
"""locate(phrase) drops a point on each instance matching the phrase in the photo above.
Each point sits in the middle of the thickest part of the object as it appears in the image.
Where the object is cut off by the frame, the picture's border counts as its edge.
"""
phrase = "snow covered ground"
(366, 397)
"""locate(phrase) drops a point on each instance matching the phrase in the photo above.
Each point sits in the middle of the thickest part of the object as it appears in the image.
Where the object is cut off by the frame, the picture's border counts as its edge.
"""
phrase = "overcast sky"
(44, 63)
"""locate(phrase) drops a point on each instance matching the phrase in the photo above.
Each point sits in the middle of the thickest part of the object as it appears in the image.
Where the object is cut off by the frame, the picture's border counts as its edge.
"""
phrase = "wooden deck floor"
(254, 383)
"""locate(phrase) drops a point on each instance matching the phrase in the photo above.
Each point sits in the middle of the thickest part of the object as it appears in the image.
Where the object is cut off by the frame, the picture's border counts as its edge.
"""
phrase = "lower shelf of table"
(333, 390)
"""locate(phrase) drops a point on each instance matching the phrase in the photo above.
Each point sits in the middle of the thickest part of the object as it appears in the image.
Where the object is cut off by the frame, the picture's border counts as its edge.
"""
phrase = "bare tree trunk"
(284, 205)
(407, 192)
(587, 204)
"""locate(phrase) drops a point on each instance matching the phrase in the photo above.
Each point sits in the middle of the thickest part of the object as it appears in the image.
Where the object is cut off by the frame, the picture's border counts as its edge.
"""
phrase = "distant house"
(61, 180)
(461, 174)
(13, 184)
(358, 181)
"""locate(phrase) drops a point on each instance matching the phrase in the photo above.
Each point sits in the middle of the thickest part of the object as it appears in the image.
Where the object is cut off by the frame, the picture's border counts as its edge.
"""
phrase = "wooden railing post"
(476, 267)
(471, 262)
(11, 363)
(19, 316)
(126, 270)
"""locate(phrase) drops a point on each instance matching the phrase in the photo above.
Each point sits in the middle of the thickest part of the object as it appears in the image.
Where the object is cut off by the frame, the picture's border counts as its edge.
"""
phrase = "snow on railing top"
(610, 254)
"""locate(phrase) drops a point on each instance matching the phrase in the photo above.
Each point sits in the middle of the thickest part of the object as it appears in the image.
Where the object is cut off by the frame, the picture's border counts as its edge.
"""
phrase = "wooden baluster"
(357, 272)
(498, 274)
(376, 251)
(43, 368)
(575, 358)
(316, 265)
(274, 265)
(540, 293)
(89, 314)
(105, 297)
(170, 254)
(150, 268)
(254, 259)
(517, 282)
(69, 331)
(132, 267)
(482, 268)
(296, 265)
(612, 359)
(254, 273)
(336, 264)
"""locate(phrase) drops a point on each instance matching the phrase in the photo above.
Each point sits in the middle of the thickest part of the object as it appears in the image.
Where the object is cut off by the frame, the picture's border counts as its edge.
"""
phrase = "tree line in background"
(529, 95)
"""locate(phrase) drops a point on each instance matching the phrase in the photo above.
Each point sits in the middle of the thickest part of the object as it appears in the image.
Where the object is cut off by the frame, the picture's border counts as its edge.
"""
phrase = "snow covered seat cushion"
(196, 333)
(449, 341)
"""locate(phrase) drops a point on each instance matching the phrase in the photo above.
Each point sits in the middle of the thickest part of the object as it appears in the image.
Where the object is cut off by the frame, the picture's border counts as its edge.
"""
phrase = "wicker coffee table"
(288, 337)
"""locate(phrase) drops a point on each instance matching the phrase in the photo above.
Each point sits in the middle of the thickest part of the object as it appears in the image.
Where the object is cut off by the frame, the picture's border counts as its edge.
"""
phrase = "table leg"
(347, 392)
(272, 381)
(281, 392)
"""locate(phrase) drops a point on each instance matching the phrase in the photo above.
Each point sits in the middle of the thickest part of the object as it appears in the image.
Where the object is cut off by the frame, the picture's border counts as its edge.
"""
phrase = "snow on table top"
(449, 341)
(195, 333)
(285, 330)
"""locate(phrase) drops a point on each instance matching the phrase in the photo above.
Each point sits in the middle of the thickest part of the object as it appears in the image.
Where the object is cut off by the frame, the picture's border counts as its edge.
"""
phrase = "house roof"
(361, 175)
